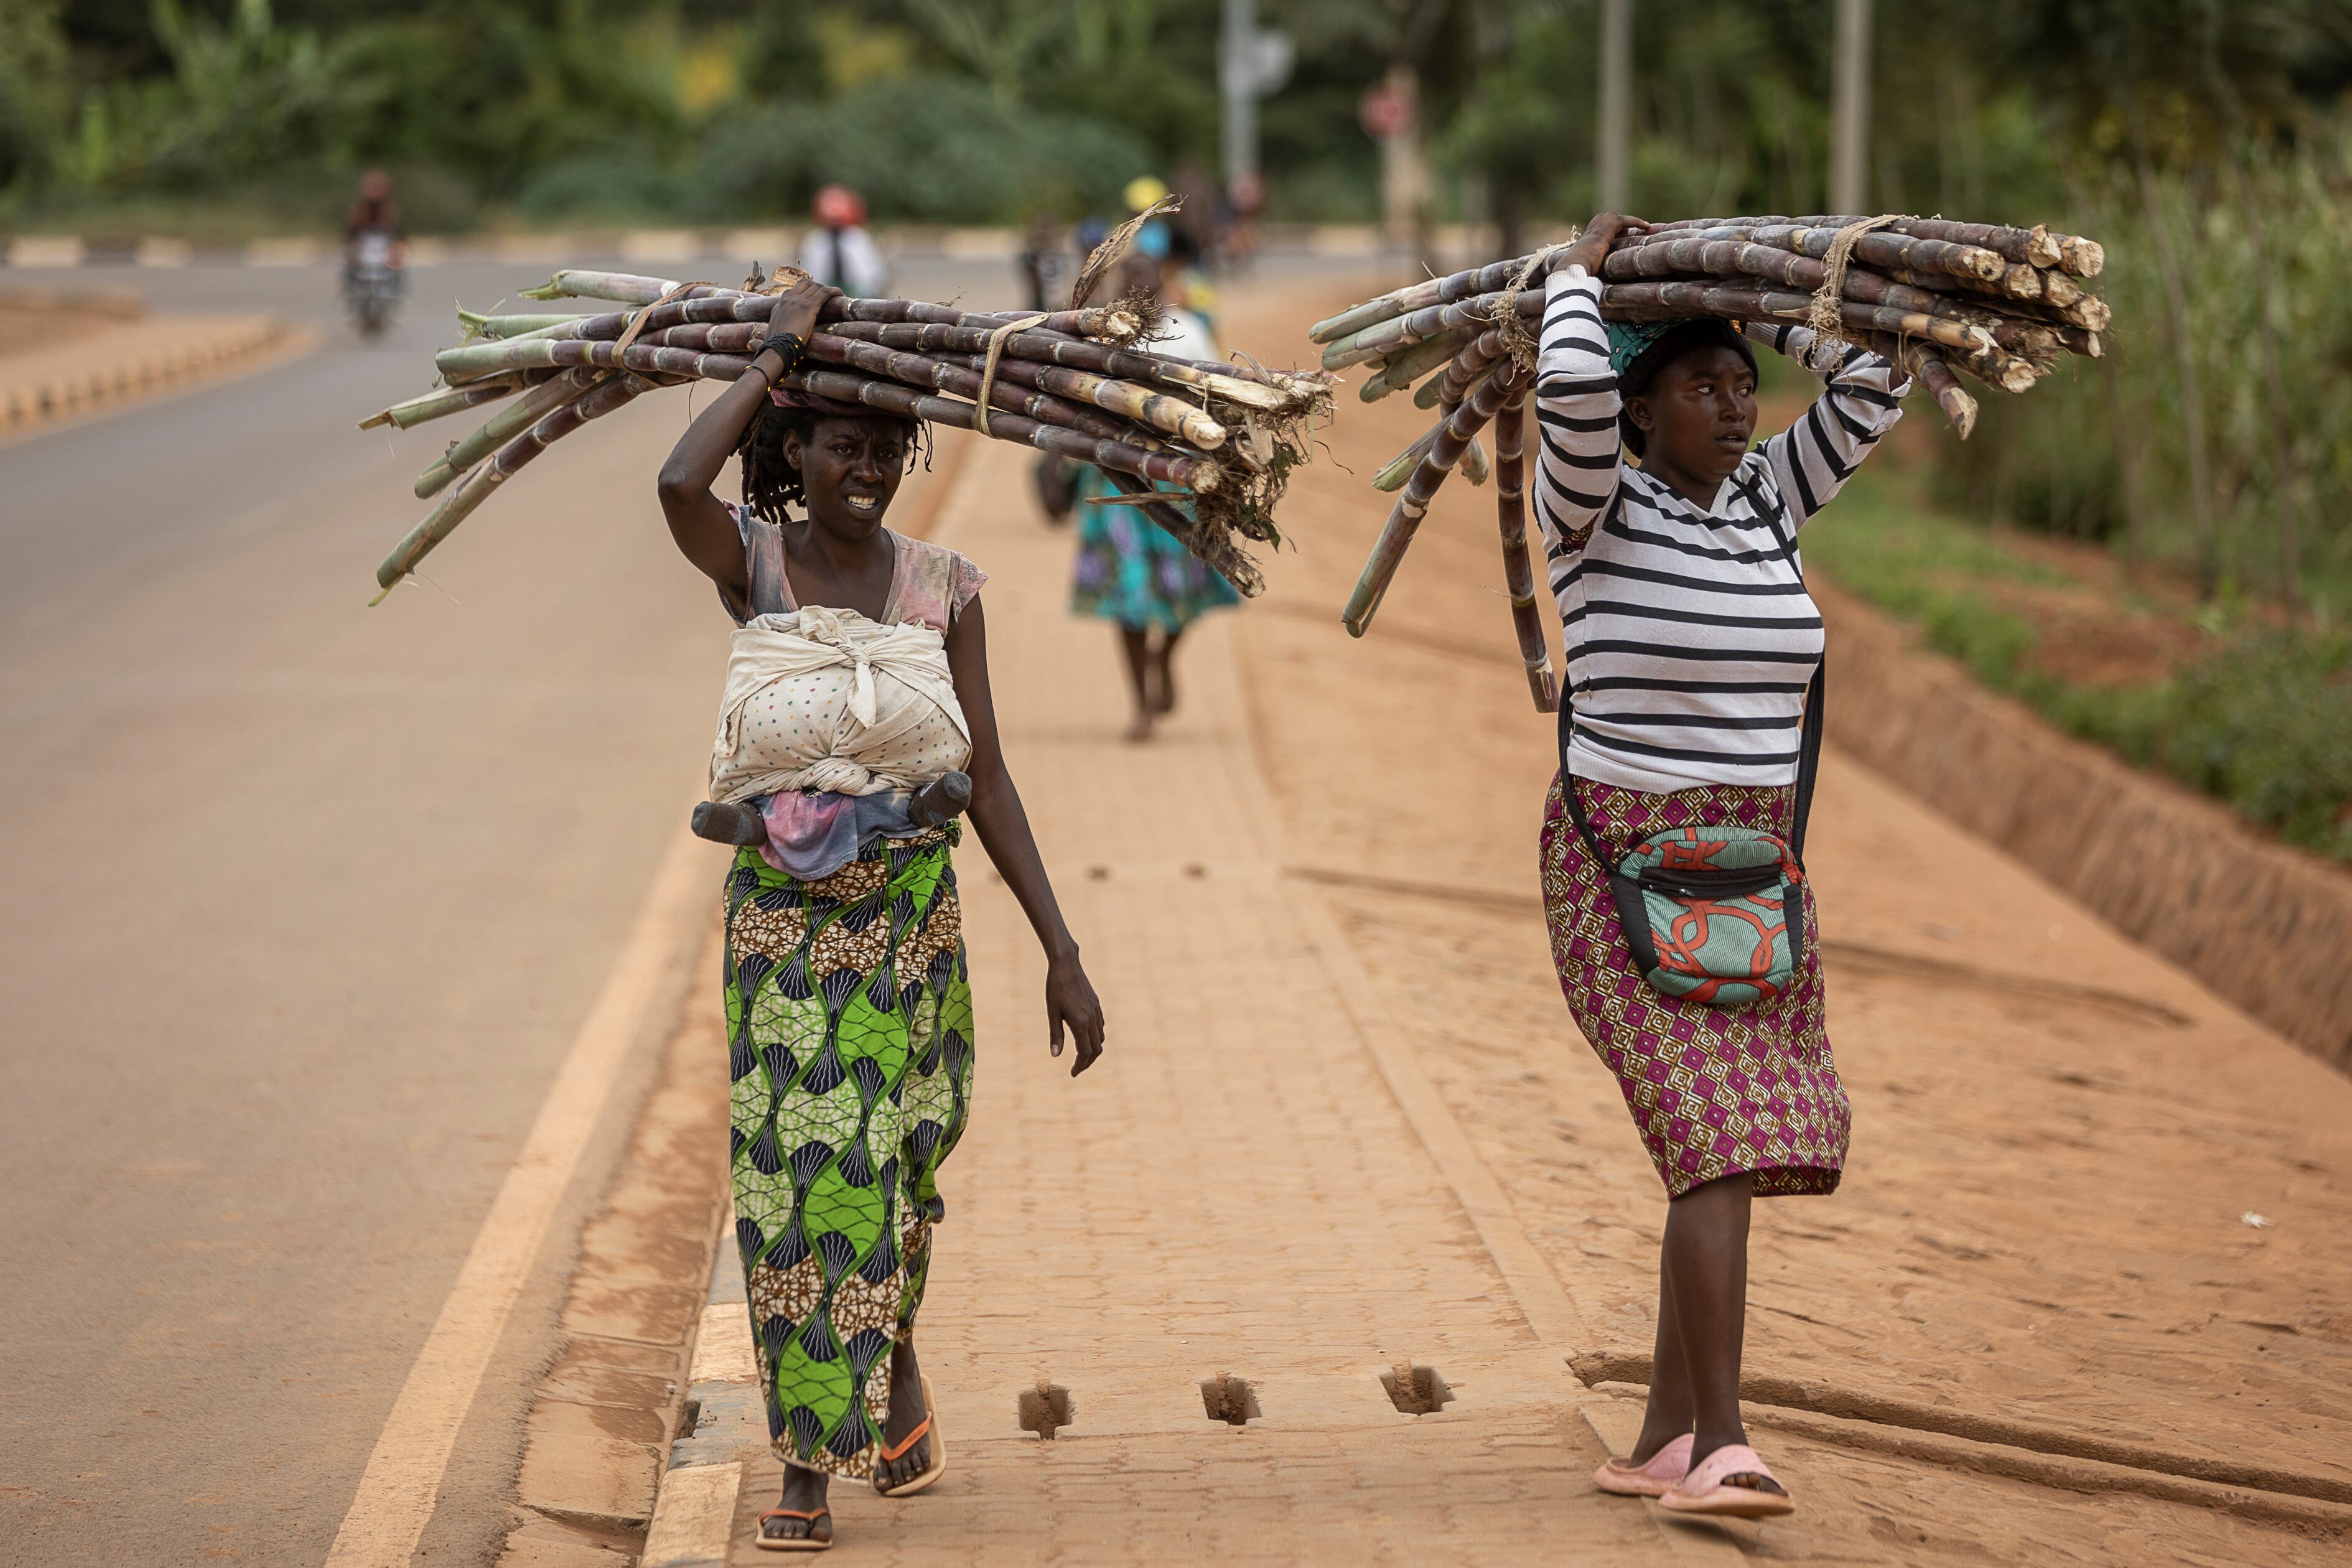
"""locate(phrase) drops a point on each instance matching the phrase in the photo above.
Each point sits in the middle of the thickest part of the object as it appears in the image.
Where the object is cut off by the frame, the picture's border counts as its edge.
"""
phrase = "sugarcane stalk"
(1444, 290)
(503, 425)
(919, 370)
(1473, 362)
(1474, 464)
(1303, 387)
(1400, 468)
(632, 289)
(1386, 338)
(479, 325)
(1925, 364)
(1670, 259)
(1412, 503)
(1679, 300)
(1451, 385)
(1519, 568)
(1048, 347)
(1401, 369)
(461, 502)
(582, 283)
(1120, 397)
(449, 400)
(2081, 257)
(1196, 474)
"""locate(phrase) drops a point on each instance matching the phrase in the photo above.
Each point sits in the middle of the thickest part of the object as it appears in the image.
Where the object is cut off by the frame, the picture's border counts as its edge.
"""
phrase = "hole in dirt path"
(1044, 1409)
(1229, 1399)
(1415, 1390)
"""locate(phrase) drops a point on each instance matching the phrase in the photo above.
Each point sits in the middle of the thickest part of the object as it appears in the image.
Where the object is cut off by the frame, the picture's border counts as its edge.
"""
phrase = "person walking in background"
(838, 252)
(1046, 269)
(1129, 569)
(1690, 729)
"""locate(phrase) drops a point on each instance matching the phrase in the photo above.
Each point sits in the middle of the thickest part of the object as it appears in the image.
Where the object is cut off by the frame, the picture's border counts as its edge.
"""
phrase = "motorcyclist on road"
(374, 250)
(374, 211)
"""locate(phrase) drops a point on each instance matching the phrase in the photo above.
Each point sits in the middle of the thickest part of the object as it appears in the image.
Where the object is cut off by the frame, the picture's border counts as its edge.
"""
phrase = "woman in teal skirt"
(1129, 569)
(848, 997)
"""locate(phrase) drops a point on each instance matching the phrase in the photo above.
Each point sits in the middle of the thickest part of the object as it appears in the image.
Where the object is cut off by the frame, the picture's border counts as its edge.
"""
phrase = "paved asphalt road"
(302, 903)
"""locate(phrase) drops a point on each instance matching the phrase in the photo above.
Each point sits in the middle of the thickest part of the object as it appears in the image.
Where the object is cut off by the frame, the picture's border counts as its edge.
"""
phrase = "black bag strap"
(1808, 742)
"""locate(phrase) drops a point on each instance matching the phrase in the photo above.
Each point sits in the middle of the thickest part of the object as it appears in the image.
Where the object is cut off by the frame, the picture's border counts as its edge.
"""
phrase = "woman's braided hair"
(772, 485)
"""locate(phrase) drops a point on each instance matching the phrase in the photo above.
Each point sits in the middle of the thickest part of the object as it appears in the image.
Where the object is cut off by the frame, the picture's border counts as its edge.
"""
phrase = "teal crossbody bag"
(1713, 913)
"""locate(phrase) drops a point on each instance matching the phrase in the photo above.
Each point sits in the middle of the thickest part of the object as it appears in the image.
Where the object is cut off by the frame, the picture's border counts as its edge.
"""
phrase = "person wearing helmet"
(372, 211)
(838, 252)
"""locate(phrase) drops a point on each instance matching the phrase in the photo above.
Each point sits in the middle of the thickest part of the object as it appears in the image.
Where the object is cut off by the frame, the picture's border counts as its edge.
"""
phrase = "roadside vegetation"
(2229, 695)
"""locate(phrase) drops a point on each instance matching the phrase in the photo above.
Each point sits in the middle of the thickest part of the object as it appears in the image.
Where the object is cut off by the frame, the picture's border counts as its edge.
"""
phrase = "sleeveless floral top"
(929, 583)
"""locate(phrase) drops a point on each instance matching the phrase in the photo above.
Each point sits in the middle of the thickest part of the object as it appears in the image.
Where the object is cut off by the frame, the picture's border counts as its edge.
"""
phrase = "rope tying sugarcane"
(1517, 341)
(1826, 316)
(988, 370)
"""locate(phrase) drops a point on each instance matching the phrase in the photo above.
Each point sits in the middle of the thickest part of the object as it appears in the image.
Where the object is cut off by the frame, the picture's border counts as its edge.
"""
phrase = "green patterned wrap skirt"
(849, 1034)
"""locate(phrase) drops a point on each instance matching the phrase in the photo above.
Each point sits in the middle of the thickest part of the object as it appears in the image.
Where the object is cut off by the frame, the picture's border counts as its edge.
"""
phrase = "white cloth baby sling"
(823, 699)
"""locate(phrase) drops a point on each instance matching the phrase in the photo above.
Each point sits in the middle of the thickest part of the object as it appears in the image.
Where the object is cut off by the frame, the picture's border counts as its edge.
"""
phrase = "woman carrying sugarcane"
(860, 670)
(1129, 569)
(1690, 725)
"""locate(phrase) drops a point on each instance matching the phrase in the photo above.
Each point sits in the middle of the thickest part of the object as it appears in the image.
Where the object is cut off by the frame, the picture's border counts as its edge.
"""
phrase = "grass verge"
(2252, 712)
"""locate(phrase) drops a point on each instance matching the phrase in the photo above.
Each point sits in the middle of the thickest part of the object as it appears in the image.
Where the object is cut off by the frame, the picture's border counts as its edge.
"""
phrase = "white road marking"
(402, 1481)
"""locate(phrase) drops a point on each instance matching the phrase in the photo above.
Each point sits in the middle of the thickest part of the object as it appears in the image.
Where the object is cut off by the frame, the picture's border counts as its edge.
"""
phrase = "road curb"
(64, 396)
(598, 1434)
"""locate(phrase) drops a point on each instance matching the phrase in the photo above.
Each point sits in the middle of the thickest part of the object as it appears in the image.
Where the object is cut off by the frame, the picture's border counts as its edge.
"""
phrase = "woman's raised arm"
(1861, 399)
(700, 520)
(1576, 394)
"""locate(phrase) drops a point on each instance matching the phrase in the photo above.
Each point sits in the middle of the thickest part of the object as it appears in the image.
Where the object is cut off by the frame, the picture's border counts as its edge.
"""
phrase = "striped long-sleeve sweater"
(1690, 637)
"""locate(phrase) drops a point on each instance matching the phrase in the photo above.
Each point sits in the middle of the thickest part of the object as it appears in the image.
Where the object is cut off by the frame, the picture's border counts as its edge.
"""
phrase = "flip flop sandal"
(1620, 1477)
(1708, 1488)
(939, 1465)
(794, 1542)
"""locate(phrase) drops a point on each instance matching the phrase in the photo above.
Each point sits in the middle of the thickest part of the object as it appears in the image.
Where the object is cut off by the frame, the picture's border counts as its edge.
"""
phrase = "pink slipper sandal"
(1619, 1478)
(1707, 1489)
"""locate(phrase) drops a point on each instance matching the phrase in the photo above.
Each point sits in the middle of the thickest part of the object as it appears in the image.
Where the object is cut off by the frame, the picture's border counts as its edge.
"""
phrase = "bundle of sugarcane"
(2003, 305)
(1205, 449)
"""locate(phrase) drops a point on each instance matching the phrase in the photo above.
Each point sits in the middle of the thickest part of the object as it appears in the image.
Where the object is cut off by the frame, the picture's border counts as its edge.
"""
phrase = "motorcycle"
(372, 281)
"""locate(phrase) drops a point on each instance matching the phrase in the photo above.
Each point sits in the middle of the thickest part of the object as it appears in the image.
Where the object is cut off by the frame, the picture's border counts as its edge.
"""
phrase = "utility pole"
(1240, 83)
(1615, 139)
(1850, 111)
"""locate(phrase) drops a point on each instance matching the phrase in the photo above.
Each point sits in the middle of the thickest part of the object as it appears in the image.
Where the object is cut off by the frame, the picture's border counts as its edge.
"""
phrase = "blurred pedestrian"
(838, 252)
(1129, 569)
(1673, 845)
(1046, 266)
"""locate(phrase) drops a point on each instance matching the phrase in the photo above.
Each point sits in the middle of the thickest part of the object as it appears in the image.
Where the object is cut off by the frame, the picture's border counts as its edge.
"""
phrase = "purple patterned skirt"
(1714, 1090)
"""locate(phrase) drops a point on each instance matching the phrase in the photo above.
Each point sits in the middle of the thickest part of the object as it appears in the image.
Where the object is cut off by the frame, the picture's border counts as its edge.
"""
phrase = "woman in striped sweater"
(1691, 644)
